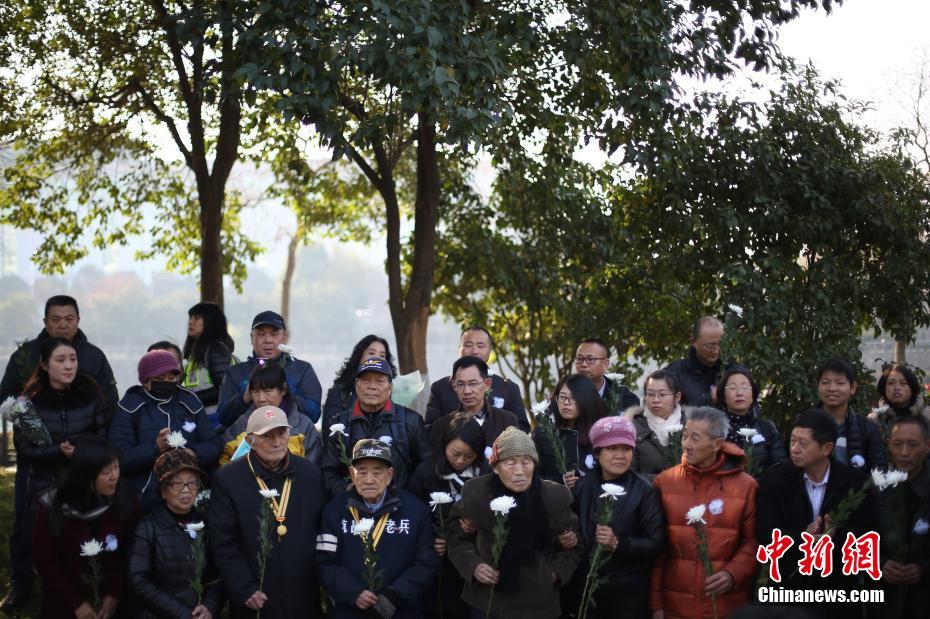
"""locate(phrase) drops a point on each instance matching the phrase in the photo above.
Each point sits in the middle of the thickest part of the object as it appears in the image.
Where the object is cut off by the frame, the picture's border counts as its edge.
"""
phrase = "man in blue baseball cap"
(269, 339)
(374, 415)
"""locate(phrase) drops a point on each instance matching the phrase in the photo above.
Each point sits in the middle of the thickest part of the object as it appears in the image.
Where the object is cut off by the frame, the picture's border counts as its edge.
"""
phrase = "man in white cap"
(289, 588)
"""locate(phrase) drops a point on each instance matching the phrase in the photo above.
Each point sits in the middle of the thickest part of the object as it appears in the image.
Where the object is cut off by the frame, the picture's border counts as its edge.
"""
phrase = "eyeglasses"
(738, 388)
(565, 399)
(657, 395)
(178, 486)
(711, 346)
(588, 359)
(460, 385)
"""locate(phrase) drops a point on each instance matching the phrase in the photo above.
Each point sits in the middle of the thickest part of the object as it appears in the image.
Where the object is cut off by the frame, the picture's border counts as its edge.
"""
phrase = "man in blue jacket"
(269, 338)
(401, 530)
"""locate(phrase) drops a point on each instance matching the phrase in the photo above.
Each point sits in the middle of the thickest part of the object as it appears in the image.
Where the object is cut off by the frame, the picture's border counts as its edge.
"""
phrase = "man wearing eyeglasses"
(471, 381)
(504, 394)
(701, 370)
(592, 358)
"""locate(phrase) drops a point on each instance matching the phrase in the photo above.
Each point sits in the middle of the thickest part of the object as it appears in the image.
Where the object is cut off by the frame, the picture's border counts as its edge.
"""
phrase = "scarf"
(527, 531)
(738, 422)
(457, 479)
(660, 426)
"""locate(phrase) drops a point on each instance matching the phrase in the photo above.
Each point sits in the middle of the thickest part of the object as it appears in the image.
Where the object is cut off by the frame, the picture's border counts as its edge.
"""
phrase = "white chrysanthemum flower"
(269, 493)
(286, 349)
(541, 408)
(364, 526)
(337, 428)
(715, 507)
(613, 491)
(672, 428)
(439, 498)
(696, 514)
(6, 409)
(879, 479)
(503, 504)
(176, 440)
(895, 477)
(747, 433)
(110, 543)
(736, 309)
(193, 529)
(615, 376)
(91, 548)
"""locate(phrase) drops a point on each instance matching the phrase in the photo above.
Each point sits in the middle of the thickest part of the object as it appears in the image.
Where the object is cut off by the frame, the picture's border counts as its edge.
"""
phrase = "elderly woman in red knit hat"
(158, 415)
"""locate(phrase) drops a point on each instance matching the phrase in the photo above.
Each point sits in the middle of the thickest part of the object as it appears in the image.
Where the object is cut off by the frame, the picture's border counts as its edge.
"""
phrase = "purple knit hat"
(156, 363)
(612, 430)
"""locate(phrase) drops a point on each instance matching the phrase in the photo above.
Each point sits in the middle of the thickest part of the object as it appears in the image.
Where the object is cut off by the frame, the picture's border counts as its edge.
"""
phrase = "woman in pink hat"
(635, 536)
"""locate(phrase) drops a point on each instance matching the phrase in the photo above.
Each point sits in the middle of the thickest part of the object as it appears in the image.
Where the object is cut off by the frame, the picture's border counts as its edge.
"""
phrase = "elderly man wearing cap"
(151, 411)
(533, 564)
(635, 535)
(290, 587)
(269, 336)
(374, 415)
(402, 533)
(160, 566)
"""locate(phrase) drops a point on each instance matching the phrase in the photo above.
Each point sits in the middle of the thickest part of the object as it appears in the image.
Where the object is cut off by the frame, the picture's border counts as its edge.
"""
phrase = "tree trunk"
(900, 347)
(289, 275)
(211, 247)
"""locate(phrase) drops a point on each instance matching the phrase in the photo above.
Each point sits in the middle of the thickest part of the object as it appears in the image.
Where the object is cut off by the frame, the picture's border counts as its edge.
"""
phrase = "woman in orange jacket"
(711, 477)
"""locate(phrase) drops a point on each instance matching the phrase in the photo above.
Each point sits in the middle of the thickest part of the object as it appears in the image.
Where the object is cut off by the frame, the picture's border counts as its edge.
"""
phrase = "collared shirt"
(374, 507)
(817, 490)
(603, 388)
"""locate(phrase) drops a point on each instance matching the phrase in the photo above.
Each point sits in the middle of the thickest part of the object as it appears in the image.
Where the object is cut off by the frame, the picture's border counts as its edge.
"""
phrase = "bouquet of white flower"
(25, 420)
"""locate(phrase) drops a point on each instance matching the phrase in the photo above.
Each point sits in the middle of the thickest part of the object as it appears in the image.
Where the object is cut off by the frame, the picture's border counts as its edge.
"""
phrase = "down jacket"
(730, 494)
(161, 569)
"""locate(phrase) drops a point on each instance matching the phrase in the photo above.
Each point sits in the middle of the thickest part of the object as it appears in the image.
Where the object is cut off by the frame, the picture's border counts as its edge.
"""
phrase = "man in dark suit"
(505, 394)
(592, 358)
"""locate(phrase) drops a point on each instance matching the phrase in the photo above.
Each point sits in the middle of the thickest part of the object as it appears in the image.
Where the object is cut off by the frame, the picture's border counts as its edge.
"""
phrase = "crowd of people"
(217, 485)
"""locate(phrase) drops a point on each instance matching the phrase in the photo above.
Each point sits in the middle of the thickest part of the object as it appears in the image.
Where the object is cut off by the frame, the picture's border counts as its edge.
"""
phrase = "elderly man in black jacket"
(505, 394)
(699, 372)
(289, 588)
(62, 319)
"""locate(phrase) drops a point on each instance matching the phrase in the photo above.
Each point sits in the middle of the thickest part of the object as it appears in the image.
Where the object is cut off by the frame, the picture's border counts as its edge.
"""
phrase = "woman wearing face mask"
(533, 565)
(268, 387)
(656, 423)
(635, 535)
(160, 567)
(152, 411)
(460, 458)
(90, 504)
(578, 406)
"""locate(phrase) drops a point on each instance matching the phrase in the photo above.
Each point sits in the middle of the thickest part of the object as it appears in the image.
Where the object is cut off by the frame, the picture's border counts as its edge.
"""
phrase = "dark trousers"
(21, 536)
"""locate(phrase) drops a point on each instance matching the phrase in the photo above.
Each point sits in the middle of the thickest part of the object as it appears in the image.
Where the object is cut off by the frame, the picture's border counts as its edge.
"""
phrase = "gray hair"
(715, 418)
(705, 321)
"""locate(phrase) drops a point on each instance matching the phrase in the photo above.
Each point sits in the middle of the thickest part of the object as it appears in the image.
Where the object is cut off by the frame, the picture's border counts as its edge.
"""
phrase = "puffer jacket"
(537, 596)
(649, 458)
(304, 439)
(730, 494)
(161, 569)
(396, 425)
(578, 457)
(66, 415)
(136, 426)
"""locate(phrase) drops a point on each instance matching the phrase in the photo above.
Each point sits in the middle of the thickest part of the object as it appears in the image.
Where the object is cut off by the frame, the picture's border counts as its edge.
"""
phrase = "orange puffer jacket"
(730, 494)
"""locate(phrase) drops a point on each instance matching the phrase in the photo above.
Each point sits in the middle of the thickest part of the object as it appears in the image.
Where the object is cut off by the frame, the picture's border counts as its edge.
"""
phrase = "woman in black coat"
(459, 458)
(739, 398)
(635, 536)
(168, 544)
(577, 406)
(341, 396)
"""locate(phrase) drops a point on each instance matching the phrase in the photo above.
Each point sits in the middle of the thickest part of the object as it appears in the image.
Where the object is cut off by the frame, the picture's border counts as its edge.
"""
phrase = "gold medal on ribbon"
(278, 507)
(282, 530)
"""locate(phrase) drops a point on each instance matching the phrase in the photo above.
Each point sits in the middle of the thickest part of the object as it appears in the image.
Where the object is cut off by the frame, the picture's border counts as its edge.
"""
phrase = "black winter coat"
(496, 421)
(336, 402)
(695, 379)
(401, 426)
(161, 569)
(578, 457)
(505, 395)
(767, 446)
(290, 579)
(863, 439)
(91, 360)
(618, 396)
(66, 415)
(782, 502)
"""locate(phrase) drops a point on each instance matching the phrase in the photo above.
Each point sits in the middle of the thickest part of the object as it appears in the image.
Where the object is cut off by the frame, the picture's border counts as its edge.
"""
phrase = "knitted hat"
(612, 430)
(174, 461)
(156, 363)
(511, 443)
